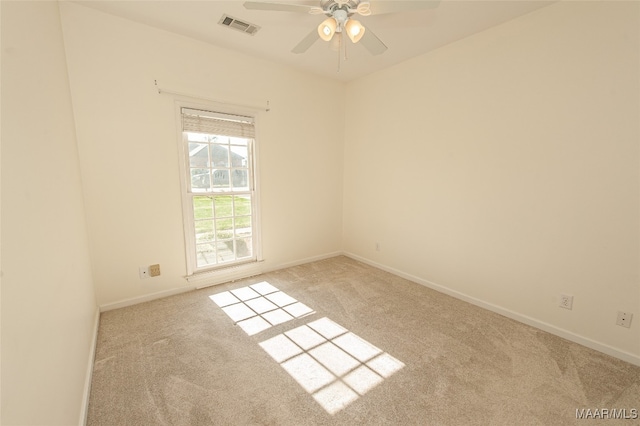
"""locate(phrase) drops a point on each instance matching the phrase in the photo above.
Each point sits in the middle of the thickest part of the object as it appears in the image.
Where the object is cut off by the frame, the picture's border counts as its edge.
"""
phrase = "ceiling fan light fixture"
(327, 28)
(355, 30)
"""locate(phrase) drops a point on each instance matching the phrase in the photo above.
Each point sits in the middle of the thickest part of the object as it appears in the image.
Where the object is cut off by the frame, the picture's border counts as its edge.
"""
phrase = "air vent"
(237, 24)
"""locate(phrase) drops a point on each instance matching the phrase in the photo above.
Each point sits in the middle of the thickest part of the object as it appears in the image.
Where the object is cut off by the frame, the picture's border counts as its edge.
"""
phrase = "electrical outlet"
(154, 270)
(566, 301)
(144, 272)
(624, 319)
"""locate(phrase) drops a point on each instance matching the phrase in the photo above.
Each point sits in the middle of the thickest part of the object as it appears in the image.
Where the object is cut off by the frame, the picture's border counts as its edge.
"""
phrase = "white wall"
(505, 168)
(48, 303)
(129, 152)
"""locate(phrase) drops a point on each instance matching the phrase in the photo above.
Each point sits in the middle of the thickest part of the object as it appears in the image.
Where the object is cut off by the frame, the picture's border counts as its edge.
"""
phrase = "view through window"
(220, 188)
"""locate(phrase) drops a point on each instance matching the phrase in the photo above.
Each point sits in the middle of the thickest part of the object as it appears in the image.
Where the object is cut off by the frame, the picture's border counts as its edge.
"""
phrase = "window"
(220, 199)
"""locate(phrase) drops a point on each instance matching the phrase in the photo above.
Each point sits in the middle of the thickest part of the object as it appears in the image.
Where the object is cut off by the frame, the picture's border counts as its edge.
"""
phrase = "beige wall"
(48, 304)
(129, 152)
(504, 168)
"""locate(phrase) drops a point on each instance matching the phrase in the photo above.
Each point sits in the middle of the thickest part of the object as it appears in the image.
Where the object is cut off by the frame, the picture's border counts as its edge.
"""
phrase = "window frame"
(187, 196)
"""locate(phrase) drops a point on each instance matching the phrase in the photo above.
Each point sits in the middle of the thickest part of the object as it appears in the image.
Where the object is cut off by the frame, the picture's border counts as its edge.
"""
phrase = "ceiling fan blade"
(306, 42)
(284, 7)
(372, 43)
(395, 6)
(364, 8)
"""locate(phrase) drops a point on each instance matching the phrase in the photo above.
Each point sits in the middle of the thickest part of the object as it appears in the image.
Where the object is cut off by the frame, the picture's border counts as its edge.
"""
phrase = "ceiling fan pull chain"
(345, 51)
(339, 47)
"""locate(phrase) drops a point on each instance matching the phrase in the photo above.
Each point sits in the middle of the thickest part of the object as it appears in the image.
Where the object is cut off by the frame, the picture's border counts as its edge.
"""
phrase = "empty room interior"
(420, 226)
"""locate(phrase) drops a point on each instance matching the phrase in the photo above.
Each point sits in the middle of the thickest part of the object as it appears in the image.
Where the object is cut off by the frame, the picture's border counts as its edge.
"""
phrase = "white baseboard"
(84, 409)
(216, 278)
(256, 269)
(208, 279)
(303, 261)
(145, 298)
(549, 328)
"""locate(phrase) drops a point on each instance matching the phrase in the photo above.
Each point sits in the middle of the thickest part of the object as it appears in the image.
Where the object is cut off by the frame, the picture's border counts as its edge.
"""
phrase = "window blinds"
(200, 121)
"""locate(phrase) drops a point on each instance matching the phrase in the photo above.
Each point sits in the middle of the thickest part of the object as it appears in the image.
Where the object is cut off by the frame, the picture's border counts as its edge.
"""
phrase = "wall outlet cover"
(624, 319)
(144, 272)
(566, 301)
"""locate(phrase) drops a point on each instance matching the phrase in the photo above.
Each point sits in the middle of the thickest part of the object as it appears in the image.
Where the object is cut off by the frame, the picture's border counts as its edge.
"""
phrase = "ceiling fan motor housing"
(341, 16)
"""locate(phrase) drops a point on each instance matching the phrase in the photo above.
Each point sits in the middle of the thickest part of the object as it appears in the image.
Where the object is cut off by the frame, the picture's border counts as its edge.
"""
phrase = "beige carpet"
(340, 342)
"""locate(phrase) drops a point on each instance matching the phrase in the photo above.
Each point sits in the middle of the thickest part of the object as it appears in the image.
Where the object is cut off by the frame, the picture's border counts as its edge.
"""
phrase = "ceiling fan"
(340, 19)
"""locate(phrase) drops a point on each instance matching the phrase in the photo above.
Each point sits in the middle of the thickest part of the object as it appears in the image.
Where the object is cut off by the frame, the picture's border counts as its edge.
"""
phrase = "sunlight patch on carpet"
(258, 307)
(331, 363)
(334, 365)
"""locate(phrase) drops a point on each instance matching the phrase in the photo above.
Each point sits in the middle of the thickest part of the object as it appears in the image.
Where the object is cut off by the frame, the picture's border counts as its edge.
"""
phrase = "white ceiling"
(407, 34)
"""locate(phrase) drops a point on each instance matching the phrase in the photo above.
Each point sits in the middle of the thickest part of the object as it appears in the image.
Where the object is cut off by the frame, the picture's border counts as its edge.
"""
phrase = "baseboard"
(84, 409)
(208, 279)
(260, 268)
(305, 260)
(216, 278)
(549, 328)
(145, 298)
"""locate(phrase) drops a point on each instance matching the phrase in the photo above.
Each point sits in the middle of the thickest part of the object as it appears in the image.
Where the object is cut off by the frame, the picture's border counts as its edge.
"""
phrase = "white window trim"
(187, 208)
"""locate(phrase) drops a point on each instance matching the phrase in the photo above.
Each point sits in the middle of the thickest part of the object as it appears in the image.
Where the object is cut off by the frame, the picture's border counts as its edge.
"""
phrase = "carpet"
(338, 342)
